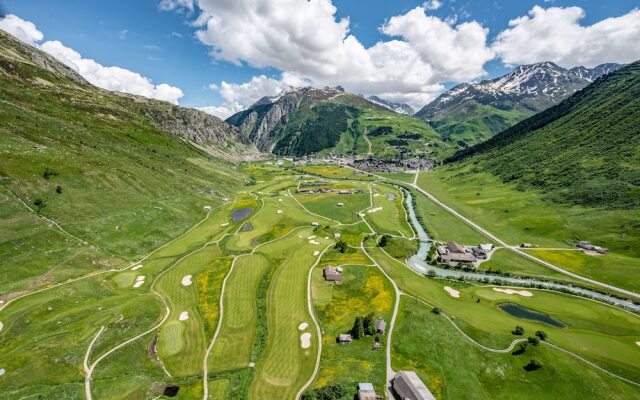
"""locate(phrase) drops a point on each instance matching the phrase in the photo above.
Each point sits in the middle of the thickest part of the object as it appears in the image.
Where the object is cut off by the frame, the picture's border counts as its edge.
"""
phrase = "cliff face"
(205, 131)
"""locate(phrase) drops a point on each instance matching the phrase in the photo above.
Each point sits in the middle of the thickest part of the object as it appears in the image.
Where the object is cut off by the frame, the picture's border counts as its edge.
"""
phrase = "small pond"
(520, 312)
(241, 213)
(247, 227)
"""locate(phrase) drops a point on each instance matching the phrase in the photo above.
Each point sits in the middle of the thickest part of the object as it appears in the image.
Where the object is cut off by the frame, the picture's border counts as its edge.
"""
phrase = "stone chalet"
(331, 274)
(345, 338)
(381, 325)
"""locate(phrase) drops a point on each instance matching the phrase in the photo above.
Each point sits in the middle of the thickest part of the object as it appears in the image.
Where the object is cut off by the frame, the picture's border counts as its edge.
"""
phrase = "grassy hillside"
(585, 151)
(93, 162)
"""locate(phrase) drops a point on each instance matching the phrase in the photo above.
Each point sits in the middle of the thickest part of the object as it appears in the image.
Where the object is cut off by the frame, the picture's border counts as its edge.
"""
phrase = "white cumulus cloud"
(555, 34)
(110, 78)
(23, 30)
(307, 40)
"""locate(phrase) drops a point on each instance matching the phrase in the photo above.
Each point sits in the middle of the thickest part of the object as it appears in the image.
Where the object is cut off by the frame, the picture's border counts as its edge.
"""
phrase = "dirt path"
(369, 152)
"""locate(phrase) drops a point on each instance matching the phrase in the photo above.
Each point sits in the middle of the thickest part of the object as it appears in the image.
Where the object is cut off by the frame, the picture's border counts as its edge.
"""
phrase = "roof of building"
(456, 248)
(409, 386)
(486, 247)
(380, 324)
(462, 257)
(441, 250)
(365, 386)
(345, 337)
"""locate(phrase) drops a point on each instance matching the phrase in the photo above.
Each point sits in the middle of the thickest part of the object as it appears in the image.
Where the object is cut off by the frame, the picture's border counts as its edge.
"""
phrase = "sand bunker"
(305, 340)
(139, 281)
(186, 281)
(2, 371)
(280, 211)
(184, 316)
(638, 342)
(279, 199)
(225, 224)
(374, 210)
(524, 293)
(311, 237)
(137, 267)
(1, 326)
(303, 326)
(313, 242)
(452, 291)
(376, 195)
(315, 253)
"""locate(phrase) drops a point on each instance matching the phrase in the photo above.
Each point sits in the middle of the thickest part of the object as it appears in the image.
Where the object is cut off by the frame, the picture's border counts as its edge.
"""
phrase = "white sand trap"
(311, 237)
(303, 326)
(280, 211)
(315, 253)
(452, 291)
(186, 281)
(305, 340)
(313, 242)
(184, 316)
(2, 371)
(638, 342)
(279, 199)
(137, 267)
(376, 195)
(1, 326)
(326, 237)
(225, 224)
(523, 293)
(374, 210)
(139, 281)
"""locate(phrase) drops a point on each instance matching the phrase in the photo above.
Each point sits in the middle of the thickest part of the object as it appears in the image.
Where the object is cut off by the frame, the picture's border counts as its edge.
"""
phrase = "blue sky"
(162, 46)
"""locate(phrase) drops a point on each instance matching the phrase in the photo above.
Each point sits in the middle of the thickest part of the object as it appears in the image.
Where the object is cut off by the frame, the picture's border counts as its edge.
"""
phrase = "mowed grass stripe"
(285, 366)
(182, 348)
(235, 342)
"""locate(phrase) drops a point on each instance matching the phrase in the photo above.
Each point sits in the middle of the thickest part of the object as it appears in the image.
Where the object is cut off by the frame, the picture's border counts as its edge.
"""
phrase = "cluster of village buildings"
(583, 244)
(454, 254)
(307, 190)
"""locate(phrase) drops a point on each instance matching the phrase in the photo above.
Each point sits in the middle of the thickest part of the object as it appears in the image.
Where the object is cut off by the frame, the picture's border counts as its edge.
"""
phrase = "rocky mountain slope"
(321, 120)
(400, 108)
(585, 150)
(472, 113)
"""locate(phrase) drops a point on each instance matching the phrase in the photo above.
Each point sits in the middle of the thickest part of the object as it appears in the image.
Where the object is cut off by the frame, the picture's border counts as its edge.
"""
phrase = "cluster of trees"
(342, 245)
(397, 142)
(364, 326)
(381, 131)
(410, 136)
(338, 391)
(384, 240)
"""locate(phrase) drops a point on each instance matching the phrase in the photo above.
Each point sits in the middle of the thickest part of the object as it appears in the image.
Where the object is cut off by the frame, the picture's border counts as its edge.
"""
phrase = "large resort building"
(454, 253)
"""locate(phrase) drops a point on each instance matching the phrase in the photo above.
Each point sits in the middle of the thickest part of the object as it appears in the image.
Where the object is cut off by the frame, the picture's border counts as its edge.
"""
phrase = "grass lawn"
(443, 226)
(236, 339)
(398, 176)
(363, 290)
(454, 368)
(390, 216)
(616, 269)
(326, 204)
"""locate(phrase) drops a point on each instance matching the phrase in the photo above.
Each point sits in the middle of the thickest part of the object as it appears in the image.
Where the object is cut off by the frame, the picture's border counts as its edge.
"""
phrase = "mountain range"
(584, 150)
(319, 120)
(473, 112)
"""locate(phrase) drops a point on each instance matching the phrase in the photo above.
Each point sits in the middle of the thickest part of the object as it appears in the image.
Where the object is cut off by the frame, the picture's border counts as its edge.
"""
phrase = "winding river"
(419, 264)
